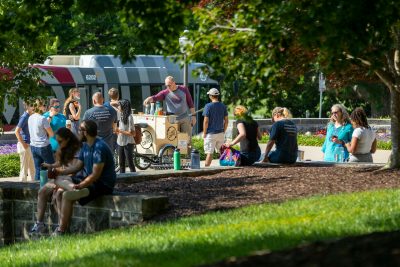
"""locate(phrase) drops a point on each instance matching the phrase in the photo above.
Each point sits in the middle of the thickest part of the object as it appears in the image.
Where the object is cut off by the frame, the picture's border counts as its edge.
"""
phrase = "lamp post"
(183, 42)
(322, 87)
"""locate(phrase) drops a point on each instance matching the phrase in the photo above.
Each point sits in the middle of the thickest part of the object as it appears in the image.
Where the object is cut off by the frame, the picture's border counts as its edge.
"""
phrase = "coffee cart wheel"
(166, 154)
(141, 163)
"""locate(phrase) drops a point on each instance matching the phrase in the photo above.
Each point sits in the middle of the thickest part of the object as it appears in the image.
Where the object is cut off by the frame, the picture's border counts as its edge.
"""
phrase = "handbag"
(138, 135)
(229, 156)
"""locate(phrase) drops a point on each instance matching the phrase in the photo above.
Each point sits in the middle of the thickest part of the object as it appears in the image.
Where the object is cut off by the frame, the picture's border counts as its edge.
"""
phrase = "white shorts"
(212, 142)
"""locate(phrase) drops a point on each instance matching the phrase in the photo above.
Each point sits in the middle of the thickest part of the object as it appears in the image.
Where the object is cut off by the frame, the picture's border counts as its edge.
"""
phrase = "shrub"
(198, 143)
(304, 140)
(385, 145)
(9, 165)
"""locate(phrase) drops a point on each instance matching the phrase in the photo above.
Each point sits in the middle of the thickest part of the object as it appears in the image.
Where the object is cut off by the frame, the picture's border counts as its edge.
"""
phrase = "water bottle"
(177, 159)
(339, 154)
(195, 159)
(151, 109)
(158, 105)
(43, 177)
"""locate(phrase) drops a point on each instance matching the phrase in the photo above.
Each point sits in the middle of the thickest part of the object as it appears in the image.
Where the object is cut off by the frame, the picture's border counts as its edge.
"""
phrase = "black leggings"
(126, 152)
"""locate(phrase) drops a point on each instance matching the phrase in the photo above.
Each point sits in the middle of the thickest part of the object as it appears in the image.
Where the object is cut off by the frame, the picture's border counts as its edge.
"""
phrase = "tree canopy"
(263, 43)
(32, 30)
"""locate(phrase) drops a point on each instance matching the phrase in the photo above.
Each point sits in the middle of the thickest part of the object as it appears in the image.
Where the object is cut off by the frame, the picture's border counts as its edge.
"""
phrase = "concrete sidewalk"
(310, 154)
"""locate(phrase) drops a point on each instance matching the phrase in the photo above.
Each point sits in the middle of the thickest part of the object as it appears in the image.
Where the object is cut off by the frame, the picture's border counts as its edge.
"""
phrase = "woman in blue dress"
(339, 132)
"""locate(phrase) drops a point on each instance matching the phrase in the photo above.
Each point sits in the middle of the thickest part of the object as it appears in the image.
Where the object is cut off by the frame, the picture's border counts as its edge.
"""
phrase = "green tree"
(32, 30)
(264, 42)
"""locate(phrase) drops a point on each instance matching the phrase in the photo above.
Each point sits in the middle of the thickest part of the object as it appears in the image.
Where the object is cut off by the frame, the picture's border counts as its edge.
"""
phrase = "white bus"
(136, 80)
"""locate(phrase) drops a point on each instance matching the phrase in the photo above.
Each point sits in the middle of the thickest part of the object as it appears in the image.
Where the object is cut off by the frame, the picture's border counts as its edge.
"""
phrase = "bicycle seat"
(142, 125)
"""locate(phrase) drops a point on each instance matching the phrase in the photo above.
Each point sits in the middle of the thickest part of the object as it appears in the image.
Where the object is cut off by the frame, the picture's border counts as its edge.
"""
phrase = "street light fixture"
(183, 42)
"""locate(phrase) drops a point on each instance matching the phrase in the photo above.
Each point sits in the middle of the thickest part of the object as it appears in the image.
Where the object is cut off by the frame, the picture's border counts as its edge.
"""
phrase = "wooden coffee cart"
(160, 136)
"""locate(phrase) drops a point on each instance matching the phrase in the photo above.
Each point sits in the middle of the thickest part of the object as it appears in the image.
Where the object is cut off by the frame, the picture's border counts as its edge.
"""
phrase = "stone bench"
(18, 205)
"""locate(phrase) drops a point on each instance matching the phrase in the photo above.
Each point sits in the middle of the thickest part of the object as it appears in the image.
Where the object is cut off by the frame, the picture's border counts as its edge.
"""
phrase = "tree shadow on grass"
(367, 250)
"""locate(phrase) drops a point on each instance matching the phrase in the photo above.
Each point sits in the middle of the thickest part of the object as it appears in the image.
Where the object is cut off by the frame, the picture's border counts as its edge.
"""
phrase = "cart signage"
(147, 139)
(171, 133)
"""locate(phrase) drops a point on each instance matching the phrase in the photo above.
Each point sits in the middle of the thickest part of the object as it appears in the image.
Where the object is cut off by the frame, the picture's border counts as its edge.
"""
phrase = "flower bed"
(8, 149)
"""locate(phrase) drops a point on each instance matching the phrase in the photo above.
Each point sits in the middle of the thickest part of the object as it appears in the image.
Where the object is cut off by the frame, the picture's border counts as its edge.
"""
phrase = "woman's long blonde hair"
(282, 112)
(69, 99)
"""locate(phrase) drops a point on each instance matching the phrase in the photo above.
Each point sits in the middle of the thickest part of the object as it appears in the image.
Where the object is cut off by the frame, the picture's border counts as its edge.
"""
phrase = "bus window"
(136, 97)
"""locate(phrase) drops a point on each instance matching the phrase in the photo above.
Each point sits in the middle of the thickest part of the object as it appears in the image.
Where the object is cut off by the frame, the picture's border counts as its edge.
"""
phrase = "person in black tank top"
(248, 134)
(72, 109)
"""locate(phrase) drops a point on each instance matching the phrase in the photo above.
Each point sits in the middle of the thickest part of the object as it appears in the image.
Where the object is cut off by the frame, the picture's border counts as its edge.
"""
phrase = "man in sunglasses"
(94, 174)
(56, 119)
(179, 102)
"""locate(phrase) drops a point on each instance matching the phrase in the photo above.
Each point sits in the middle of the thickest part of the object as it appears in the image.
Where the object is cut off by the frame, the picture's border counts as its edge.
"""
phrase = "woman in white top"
(126, 132)
(363, 141)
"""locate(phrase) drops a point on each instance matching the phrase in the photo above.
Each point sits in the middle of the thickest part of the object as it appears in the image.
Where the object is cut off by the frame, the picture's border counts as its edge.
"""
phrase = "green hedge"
(305, 140)
(198, 144)
(9, 165)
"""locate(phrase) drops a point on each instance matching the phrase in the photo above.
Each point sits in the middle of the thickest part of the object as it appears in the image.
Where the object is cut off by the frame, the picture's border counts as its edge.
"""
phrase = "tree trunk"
(394, 159)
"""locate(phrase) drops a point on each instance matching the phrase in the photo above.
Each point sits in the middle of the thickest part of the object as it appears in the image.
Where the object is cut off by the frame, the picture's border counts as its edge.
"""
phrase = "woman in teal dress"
(339, 132)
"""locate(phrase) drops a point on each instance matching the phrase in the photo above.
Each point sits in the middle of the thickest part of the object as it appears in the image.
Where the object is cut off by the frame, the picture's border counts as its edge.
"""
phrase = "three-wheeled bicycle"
(160, 137)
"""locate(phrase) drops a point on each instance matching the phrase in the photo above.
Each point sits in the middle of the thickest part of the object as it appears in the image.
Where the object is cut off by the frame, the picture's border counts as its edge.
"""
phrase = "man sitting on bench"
(96, 175)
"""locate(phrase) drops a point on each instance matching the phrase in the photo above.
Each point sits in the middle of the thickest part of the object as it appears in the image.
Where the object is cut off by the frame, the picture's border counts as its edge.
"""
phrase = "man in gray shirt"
(179, 102)
(105, 119)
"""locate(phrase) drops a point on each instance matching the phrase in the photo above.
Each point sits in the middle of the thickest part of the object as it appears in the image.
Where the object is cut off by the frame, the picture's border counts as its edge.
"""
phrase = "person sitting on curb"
(363, 141)
(339, 132)
(248, 136)
(284, 136)
(69, 145)
(96, 175)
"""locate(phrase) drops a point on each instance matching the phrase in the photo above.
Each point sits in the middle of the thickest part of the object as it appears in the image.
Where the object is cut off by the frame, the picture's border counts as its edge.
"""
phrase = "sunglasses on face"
(56, 107)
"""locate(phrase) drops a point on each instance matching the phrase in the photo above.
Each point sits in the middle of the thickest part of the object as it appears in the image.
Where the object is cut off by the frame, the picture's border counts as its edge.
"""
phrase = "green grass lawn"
(215, 236)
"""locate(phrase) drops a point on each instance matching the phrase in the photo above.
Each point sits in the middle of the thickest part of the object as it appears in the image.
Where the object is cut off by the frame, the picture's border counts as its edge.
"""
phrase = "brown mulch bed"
(252, 185)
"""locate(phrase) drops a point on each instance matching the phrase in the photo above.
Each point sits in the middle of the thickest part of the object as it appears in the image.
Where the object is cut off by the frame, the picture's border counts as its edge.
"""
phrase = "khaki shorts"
(212, 142)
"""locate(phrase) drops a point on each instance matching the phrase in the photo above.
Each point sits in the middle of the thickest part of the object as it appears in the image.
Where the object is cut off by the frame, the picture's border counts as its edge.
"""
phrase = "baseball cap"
(213, 91)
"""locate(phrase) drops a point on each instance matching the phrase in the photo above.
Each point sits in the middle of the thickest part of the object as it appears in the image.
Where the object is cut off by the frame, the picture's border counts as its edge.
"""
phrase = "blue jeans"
(282, 157)
(41, 155)
(248, 158)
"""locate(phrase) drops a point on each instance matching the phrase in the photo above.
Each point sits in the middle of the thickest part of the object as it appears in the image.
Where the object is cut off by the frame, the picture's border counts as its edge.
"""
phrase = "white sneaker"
(38, 228)
(57, 232)
(76, 194)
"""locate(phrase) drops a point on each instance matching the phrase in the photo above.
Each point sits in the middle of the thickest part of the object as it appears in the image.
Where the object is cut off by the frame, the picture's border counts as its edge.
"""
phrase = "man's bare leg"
(209, 158)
